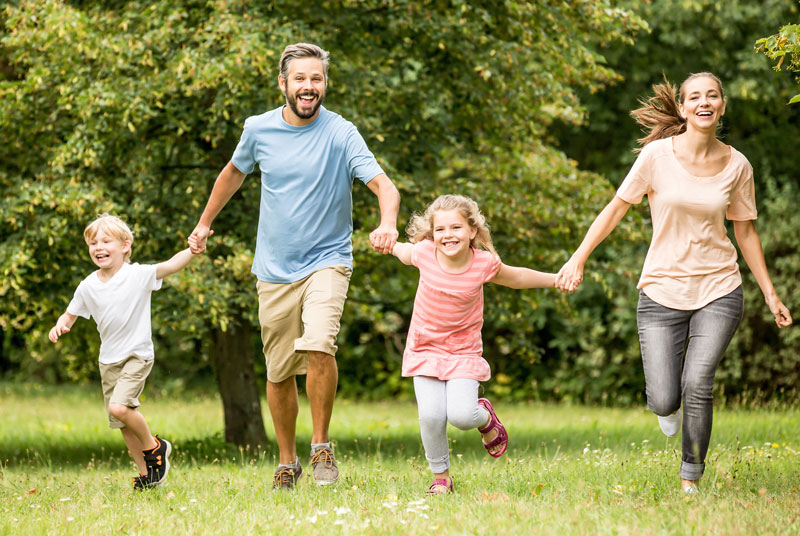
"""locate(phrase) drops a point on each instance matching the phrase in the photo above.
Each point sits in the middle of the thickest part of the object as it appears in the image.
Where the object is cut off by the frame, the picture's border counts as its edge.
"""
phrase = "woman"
(690, 299)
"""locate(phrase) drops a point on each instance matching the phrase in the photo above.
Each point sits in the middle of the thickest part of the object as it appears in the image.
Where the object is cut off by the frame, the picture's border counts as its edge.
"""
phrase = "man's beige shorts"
(300, 317)
(123, 382)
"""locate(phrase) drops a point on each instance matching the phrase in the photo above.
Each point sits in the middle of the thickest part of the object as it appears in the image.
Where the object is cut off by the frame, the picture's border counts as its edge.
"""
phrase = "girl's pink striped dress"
(444, 338)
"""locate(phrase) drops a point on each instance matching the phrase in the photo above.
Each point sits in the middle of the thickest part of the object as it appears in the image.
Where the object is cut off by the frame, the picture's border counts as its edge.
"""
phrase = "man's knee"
(316, 359)
(287, 384)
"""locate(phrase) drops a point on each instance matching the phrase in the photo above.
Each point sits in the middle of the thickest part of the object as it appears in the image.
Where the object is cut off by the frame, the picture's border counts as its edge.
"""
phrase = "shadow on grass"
(108, 451)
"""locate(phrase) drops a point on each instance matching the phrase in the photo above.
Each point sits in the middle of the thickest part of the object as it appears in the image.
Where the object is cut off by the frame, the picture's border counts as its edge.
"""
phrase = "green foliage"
(762, 357)
(133, 108)
(687, 36)
(782, 45)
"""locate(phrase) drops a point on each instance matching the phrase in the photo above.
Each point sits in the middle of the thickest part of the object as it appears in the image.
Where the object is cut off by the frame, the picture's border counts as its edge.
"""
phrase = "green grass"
(569, 470)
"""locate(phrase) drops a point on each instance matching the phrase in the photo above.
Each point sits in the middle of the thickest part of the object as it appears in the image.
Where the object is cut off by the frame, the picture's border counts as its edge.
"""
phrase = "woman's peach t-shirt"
(691, 260)
(444, 338)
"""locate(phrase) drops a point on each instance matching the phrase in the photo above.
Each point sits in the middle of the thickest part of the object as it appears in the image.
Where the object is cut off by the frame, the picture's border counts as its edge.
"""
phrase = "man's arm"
(385, 236)
(229, 180)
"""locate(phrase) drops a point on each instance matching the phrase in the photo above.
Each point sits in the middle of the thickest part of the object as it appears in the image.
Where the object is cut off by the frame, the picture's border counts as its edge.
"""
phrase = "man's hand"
(197, 240)
(383, 238)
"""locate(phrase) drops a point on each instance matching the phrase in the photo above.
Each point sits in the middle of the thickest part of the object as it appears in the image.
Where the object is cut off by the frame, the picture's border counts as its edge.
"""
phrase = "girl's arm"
(62, 326)
(571, 274)
(517, 277)
(402, 250)
(175, 264)
(750, 244)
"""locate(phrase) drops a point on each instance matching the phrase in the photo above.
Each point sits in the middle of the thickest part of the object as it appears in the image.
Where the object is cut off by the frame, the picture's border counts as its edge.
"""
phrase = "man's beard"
(292, 102)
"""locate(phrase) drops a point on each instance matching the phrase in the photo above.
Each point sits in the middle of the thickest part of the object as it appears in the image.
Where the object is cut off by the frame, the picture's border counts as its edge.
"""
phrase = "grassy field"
(569, 470)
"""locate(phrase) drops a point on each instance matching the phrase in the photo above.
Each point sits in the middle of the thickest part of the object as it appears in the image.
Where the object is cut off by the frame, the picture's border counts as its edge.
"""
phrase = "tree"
(687, 36)
(133, 108)
(785, 43)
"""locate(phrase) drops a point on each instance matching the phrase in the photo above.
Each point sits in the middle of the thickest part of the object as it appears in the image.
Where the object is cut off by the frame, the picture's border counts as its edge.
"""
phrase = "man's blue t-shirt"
(306, 218)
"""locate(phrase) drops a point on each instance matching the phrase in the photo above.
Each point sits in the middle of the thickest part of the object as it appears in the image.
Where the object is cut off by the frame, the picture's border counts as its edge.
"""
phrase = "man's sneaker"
(141, 482)
(325, 469)
(287, 477)
(671, 424)
(157, 461)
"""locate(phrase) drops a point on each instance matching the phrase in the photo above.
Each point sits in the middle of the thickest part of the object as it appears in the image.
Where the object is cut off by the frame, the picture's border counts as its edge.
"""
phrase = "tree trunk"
(233, 362)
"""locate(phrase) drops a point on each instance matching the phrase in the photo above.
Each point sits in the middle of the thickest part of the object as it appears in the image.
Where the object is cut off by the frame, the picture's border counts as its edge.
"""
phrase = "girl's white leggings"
(440, 402)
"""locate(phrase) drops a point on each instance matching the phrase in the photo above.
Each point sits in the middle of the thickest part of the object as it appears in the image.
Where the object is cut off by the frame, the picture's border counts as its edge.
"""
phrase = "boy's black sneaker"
(141, 482)
(157, 461)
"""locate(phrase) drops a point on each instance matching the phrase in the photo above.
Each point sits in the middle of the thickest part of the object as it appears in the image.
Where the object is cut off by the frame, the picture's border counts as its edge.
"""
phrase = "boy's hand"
(57, 331)
(197, 245)
(197, 240)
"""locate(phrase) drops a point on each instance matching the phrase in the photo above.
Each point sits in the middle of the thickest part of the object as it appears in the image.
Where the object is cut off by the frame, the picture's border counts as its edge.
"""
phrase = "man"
(308, 158)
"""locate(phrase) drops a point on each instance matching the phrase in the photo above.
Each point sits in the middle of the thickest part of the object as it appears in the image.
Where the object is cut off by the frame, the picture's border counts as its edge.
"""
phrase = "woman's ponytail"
(659, 114)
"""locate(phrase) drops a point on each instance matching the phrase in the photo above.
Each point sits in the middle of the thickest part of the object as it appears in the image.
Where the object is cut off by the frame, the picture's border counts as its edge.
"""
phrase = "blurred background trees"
(134, 107)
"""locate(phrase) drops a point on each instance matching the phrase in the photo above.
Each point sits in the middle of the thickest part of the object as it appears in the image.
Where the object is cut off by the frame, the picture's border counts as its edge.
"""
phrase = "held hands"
(781, 313)
(383, 239)
(197, 240)
(569, 277)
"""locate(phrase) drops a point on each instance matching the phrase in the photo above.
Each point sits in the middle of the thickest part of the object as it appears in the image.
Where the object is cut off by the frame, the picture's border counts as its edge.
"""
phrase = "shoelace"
(284, 476)
(323, 455)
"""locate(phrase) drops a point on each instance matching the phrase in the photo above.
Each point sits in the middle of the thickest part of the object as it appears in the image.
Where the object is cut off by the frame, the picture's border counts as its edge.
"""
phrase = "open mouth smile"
(307, 98)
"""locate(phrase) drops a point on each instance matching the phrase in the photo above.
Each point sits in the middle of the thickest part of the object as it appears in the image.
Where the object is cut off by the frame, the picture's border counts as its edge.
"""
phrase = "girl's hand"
(782, 316)
(570, 276)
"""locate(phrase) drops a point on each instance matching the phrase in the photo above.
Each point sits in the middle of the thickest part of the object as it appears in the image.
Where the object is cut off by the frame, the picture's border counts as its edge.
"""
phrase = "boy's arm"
(62, 326)
(175, 264)
(402, 250)
(517, 277)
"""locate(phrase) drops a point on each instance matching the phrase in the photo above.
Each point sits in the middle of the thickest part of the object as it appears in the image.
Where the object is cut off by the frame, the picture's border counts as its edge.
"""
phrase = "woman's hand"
(781, 313)
(569, 276)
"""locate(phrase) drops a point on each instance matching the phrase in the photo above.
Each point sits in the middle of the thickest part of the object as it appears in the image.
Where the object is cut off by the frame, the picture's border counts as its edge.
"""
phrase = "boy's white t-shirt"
(121, 308)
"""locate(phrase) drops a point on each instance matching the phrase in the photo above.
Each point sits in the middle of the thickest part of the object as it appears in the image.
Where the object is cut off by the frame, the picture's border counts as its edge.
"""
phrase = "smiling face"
(452, 234)
(304, 89)
(107, 251)
(703, 103)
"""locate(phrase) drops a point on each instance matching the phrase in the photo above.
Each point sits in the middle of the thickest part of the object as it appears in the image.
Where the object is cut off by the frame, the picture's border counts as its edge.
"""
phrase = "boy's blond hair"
(111, 225)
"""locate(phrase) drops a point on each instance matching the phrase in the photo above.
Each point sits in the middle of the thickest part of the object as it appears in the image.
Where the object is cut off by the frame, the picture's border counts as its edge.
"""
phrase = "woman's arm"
(571, 274)
(750, 244)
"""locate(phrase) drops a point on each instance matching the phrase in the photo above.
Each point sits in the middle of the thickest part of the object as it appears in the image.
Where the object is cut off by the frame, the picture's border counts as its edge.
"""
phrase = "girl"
(452, 247)
(690, 302)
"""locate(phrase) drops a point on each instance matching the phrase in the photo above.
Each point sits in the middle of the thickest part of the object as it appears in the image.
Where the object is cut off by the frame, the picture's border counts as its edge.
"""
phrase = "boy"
(117, 296)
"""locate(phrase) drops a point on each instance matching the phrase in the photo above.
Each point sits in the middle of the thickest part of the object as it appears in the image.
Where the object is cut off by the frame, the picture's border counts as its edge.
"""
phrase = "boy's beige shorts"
(123, 382)
(300, 317)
